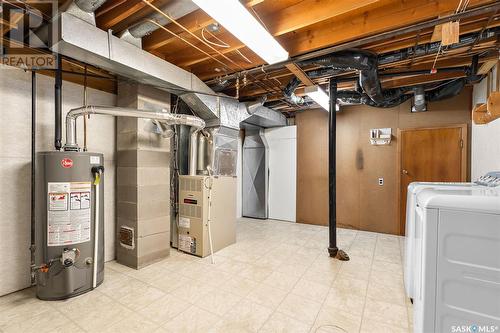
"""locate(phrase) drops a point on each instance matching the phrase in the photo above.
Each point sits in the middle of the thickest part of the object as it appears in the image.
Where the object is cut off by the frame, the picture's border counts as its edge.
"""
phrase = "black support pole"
(333, 250)
(58, 104)
(33, 170)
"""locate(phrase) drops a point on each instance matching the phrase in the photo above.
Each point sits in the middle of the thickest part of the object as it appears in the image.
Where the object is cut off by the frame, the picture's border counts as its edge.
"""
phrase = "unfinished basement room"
(250, 166)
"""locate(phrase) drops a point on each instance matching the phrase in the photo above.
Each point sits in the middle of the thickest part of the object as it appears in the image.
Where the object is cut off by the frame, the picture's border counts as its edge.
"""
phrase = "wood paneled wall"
(361, 202)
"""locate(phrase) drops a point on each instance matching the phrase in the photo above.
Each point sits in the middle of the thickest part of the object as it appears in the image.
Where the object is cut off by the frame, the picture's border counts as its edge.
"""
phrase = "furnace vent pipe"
(163, 117)
(193, 150)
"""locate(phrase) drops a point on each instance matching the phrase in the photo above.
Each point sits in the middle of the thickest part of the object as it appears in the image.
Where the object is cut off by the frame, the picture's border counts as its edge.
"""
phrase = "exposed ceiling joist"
(193, 22)
(299, 73)
(299, 16)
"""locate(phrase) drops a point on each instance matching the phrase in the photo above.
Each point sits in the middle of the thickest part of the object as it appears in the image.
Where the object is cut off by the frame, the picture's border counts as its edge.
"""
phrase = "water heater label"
(69, 213)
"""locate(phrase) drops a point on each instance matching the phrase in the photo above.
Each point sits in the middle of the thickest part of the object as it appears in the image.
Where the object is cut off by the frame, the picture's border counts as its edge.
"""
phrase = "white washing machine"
(457, 260)
(409, 249)
(490, 179)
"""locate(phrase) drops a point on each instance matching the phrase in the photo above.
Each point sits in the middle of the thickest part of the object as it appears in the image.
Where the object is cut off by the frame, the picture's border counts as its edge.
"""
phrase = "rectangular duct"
(255, 173)
(83, 41)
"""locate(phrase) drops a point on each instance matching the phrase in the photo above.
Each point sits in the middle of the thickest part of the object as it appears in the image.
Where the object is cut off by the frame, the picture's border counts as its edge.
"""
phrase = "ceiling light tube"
(319, 96)
(233, 16)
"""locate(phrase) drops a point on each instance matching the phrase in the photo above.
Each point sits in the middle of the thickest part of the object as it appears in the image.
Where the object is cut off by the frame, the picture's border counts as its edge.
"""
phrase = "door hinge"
(461, 143)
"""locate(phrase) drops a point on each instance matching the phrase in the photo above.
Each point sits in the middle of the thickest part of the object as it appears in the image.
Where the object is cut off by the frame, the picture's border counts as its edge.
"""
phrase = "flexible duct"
(354, 98)
(289, 94)
(89, 6)
(162, 117)
(175, 9)
(363, 61)
(419, 102)
(369, 81)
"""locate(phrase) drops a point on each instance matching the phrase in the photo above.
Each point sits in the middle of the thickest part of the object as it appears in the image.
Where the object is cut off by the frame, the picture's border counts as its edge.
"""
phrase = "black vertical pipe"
(332, 170)
(33, 161)
(58, 104)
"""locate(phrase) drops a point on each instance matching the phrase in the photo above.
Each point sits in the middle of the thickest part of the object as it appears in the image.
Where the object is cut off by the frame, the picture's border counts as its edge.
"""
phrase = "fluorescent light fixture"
(319, 96)
(233, 16)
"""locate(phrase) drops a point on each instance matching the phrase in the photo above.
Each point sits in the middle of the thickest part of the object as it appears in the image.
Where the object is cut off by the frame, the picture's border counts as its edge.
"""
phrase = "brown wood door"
(430, 155)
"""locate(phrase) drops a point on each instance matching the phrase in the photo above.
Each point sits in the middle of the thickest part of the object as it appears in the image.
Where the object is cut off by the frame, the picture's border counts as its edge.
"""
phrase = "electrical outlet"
(381, 181)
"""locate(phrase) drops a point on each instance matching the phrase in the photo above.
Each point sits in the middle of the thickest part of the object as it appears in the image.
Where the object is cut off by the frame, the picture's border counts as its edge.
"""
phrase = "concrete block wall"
(15, 162)
(143, 179)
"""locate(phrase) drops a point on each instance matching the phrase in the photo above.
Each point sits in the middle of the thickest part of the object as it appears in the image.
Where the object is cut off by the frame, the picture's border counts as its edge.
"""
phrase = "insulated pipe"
(162, 117)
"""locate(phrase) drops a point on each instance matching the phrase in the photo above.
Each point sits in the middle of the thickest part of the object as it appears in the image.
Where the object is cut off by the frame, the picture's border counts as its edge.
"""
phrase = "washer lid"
(477, 198)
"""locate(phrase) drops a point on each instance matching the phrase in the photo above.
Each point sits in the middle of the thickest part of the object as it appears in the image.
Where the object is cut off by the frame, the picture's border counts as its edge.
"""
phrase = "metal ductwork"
(223, 116)
(174, 9)
(80, 40)
(255, 173)
(266, 117)
(89, 6)
(84, 42)
(419, 103)
(83, 9)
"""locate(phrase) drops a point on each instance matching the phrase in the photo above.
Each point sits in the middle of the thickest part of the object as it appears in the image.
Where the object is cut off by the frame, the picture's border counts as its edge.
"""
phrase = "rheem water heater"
(69, 223)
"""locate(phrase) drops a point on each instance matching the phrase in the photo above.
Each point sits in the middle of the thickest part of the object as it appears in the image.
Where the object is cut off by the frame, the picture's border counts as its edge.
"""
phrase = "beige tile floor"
(276, 278)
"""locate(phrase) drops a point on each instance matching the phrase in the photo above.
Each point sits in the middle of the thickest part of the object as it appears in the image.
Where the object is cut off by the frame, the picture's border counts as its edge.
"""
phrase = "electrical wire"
(243, 56)
(188, 42)
(222, 43)
(158, 10)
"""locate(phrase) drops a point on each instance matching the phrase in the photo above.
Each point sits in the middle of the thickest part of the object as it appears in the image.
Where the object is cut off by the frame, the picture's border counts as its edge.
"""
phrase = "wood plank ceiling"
(303, 26)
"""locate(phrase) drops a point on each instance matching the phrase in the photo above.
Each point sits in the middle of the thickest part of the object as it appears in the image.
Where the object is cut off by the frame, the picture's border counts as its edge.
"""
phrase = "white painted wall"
(485, 138)
(15, 163)
(282, 150)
